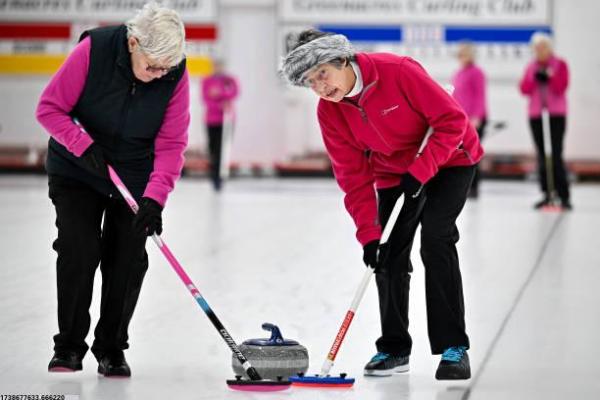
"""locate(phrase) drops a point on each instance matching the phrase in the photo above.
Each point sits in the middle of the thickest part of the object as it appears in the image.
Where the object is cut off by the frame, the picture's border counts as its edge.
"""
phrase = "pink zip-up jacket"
(555, 92)
(399, 102)
(218, 91)
(469, 91)
(62, 94)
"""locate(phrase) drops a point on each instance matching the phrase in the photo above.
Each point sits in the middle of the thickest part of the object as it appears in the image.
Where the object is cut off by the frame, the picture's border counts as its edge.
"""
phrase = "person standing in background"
(470, 92)
(122, 98)
(545, 82)
(218, 92)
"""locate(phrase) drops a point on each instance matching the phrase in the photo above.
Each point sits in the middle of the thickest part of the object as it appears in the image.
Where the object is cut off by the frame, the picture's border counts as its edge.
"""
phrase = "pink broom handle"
(252, 373)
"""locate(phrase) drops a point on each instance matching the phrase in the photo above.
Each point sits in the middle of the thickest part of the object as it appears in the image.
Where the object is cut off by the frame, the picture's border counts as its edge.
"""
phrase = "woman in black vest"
(121, 98)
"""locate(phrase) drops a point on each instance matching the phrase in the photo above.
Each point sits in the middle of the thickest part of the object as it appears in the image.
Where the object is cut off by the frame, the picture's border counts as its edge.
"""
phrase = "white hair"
(541, 38)
(160, 33)
(468, 47)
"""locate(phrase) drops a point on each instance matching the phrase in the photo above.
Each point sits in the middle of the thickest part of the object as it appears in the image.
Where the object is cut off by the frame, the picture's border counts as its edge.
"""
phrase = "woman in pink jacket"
(127, 87)
(545, 82)
(374, 112)
(469, 91)
(218, 92)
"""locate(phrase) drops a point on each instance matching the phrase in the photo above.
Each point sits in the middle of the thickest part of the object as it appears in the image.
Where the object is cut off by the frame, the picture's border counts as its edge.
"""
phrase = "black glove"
(148, 219)
(411, 187)
(541, 75)
(370, 254)
(94, 162)
(375, 255)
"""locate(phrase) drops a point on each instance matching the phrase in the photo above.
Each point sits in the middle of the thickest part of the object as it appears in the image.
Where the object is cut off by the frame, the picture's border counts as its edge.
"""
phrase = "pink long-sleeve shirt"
(553, 94)
(61, 96)
(217, 92)
(469, 91)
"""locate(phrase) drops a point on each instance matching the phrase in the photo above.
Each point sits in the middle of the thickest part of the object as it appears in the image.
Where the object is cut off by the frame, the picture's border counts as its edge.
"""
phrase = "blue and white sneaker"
(385, 364)
(454, 364)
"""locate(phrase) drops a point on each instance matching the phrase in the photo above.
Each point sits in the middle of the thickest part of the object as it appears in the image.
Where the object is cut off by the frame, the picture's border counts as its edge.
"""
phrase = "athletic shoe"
(113, 364)
(454, 364)
(385, 364)
(65, 361)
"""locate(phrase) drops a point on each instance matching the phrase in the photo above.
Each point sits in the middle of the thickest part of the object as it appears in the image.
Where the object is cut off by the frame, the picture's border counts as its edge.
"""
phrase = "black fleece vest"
(122, 114)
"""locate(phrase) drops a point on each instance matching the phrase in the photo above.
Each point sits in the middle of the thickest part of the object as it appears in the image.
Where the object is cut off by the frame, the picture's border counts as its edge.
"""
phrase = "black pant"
(477, 176)
(84, 242)
(559, 172)
(215, 143)
(443, 200)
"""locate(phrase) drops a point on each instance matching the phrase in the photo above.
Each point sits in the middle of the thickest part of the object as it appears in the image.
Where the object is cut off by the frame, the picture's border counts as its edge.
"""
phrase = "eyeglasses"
(153, 68)
(318, 76)
(163, 70)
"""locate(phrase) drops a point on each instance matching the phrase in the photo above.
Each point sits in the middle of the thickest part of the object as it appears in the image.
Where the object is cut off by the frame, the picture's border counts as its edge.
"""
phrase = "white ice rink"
(283, 251)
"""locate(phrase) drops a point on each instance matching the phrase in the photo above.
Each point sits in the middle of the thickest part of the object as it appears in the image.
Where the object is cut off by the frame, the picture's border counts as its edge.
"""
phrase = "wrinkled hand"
(148, 219)
(94, 162)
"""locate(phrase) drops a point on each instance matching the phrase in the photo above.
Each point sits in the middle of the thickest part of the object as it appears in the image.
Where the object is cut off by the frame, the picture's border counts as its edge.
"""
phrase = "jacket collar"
(369, 73)
(123, 54)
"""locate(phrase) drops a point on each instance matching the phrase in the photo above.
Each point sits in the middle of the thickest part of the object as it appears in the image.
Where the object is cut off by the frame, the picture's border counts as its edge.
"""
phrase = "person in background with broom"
(219, 90)
(545, 82)
(374, 111)
(122, 98)
(469, 91)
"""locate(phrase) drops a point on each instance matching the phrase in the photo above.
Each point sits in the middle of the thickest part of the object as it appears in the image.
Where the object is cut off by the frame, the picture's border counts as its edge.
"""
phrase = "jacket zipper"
(363, 113)
(130, 94)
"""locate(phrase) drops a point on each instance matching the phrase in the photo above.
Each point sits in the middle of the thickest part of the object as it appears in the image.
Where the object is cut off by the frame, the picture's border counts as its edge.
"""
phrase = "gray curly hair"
(160, 33)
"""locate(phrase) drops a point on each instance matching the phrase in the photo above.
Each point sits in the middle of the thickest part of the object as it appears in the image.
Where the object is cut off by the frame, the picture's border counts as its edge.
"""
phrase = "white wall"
(578, 32)
(275, 122)
(248, 42)
(18, 99)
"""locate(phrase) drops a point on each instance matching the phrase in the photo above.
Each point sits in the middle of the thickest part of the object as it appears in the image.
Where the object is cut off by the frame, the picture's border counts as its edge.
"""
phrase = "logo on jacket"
(386, 111)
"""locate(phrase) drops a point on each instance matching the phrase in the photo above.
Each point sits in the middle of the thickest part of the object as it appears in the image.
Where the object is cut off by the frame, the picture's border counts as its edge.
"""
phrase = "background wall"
(275, 123)
(577, 31)
(248, 42)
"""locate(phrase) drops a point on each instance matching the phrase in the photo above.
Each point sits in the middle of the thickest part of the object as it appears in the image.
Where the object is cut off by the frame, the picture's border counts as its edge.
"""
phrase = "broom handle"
(364, 283)
(226, 142)
(547, 141)
(250, 370)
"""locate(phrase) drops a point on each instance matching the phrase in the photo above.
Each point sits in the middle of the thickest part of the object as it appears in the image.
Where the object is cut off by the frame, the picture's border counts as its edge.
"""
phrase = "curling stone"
(274, 358)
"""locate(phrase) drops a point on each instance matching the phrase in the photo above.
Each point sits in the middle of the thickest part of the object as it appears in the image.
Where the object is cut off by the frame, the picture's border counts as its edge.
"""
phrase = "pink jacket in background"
(469, 91)
(218, 91)
(398, 104)
(556, 100)
(62, 94)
